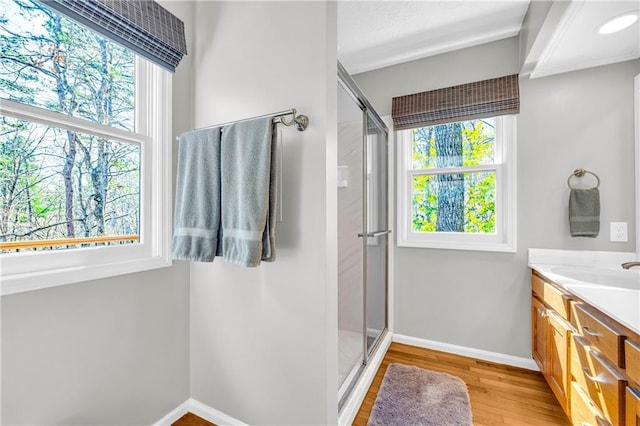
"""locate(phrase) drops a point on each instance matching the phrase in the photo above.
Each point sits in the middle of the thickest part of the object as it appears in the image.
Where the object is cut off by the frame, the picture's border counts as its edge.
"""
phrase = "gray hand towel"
(248, 192)
(197, 211)
(584, 212)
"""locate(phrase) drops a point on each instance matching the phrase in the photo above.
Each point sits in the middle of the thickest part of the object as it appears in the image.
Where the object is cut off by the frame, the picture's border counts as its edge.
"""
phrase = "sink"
(628, 279)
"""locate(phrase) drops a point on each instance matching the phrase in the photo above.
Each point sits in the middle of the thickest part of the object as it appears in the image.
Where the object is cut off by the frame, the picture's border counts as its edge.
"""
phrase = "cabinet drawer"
(632, 361)
(633, 407)
(555, 298)
(601, 382)
(583, 412)
(600, 334)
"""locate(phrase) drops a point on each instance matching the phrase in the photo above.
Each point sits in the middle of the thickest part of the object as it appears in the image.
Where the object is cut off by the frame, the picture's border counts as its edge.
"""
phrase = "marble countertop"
(597, 279)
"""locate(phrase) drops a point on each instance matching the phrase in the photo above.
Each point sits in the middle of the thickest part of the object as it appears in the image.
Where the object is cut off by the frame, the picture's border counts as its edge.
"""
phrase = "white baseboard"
(351, 407)
(201, 410)
(213, 415)
(496, 357)
(174, 415)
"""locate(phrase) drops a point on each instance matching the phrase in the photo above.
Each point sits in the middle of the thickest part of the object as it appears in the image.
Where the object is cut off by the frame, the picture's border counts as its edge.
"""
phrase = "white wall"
(104, 352)
(111, 351)
(263, 340)
(581, 119)
(590, 125)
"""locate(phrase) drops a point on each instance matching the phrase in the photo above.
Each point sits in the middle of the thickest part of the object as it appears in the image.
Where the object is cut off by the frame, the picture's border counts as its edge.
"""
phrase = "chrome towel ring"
(580, 173)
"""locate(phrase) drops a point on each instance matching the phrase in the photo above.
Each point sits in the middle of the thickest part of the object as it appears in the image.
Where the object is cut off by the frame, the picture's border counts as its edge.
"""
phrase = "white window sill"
(445, 245)
(20, 283)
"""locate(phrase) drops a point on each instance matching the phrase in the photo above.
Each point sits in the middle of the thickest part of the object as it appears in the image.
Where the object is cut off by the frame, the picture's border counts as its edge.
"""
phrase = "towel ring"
(580, 173)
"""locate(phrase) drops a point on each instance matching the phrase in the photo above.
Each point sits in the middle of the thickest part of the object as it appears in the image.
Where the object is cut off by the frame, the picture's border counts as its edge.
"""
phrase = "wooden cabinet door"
(632, 357)
(633, 407)
(539, 325)
(558, 365)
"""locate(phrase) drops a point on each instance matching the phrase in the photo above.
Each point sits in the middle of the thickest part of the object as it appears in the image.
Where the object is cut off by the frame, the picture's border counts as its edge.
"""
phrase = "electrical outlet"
(619, 232)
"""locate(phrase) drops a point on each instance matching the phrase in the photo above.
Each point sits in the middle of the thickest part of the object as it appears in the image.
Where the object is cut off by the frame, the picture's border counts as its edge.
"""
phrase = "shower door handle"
(375, 234)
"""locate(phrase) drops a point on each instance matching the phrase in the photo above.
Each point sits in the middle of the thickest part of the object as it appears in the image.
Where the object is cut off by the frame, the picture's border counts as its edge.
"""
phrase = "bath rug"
(414, 396)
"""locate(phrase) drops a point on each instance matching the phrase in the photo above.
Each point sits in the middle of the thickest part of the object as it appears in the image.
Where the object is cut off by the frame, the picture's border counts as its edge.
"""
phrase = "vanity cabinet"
(551, 337)
(539, 333)
(583, 410)
(632, 357)
(633, 407)
(590, 361)
(600, 332)
(601, 382)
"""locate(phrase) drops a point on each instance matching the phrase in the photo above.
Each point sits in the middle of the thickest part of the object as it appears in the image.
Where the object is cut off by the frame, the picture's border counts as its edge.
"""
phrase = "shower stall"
(363, 232)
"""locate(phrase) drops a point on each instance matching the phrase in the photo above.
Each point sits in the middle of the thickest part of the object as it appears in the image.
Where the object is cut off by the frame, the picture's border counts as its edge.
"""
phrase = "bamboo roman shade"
(482, 99)
(140, 25)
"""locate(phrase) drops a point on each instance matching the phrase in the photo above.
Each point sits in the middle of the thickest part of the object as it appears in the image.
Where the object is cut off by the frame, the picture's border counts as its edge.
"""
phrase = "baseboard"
(350, 409)
(201, 410)
(496, 357)
(174, 415)
(213, 415)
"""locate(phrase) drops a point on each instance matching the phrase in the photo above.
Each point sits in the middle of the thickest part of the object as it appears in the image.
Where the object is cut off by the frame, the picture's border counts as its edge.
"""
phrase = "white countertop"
(596, 278)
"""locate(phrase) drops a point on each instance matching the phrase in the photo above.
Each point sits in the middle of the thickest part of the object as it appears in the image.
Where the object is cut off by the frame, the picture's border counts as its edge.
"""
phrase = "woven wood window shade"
(482, 99)
(140, 25)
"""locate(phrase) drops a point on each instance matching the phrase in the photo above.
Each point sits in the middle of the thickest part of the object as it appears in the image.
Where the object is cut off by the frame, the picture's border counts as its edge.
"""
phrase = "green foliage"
(478, 148)
(425, 204)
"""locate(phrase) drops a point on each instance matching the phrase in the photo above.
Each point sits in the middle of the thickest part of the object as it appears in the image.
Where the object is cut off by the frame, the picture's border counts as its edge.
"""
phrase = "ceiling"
(376, 34)
(575, 44)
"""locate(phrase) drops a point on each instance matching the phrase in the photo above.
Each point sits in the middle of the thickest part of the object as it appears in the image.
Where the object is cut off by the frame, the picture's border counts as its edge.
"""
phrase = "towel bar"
(299, 121)
(580, 173)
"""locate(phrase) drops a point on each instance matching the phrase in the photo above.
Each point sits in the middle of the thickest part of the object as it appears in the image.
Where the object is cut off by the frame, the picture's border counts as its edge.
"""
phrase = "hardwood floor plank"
(191, 419)
(500, 394)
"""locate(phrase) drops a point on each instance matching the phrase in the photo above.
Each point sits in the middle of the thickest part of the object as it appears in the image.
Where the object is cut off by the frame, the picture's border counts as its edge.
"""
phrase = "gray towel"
(584, 212)
(197, 211)
(248, 179)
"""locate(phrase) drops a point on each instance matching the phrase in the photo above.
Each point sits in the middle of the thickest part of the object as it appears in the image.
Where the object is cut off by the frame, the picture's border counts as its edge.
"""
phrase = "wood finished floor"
(191, 419)
(500, 395)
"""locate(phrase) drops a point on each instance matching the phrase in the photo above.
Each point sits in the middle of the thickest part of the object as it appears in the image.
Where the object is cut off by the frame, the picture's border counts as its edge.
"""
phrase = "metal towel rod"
(300, 121)
(580, 173)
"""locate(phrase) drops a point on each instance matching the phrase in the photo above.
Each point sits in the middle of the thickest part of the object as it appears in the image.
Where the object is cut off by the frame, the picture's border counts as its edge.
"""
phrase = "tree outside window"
(454, 202)
(58, 183)
(456, 185)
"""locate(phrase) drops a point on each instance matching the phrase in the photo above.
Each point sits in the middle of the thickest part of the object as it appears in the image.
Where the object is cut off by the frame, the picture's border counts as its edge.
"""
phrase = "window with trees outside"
(84, 133)
(456, 185)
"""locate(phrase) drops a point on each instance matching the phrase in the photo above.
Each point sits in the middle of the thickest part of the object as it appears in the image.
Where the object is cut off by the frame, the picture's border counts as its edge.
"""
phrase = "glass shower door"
(362, 233)
(377, 230)
(350, 248)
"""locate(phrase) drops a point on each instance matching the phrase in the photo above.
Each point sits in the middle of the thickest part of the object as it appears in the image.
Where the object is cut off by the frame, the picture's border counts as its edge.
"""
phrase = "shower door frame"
(368, 113)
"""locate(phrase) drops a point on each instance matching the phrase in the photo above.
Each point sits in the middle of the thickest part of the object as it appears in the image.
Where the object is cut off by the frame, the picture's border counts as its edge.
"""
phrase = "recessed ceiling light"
(618, 23)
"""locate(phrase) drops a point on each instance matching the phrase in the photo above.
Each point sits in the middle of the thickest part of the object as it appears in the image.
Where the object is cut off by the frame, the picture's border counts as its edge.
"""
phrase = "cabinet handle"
(591, 378)
(589, 332)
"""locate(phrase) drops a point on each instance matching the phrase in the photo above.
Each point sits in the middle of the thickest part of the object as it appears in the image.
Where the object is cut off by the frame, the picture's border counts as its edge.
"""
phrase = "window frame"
(504, 240)
(26, 271)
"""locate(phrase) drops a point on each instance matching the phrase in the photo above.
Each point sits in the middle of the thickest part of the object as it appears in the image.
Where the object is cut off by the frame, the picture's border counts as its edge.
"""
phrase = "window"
(85, 146)
(456, 185)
